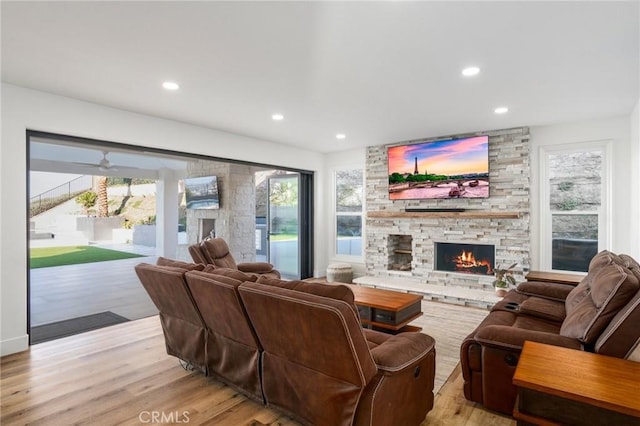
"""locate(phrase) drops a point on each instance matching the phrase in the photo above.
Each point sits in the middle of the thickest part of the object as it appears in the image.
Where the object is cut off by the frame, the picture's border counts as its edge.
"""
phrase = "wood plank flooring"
(122, 375)
(448, 325)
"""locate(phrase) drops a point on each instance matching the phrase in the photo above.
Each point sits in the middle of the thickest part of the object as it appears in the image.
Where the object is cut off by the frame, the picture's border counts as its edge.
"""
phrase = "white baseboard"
(17, 344)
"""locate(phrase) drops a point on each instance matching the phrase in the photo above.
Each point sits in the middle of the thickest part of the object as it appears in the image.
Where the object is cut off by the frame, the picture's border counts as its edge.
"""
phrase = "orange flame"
(468, 260)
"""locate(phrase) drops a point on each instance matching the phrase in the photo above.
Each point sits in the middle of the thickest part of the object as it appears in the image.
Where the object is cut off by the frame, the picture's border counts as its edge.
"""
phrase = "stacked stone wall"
(509, 191)
(235, 219)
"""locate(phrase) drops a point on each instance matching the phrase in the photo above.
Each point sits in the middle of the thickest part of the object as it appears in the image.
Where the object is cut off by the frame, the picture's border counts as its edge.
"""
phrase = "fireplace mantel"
(451, 215)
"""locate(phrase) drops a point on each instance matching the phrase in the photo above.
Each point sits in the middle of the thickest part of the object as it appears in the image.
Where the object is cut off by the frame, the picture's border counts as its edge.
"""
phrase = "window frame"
(334, 203)
(603, 212)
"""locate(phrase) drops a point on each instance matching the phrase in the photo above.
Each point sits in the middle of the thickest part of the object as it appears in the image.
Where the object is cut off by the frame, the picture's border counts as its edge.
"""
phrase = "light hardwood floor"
(122, 375)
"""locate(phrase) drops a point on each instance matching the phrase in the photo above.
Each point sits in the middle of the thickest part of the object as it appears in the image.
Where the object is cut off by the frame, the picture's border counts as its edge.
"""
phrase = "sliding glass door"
(284, 223)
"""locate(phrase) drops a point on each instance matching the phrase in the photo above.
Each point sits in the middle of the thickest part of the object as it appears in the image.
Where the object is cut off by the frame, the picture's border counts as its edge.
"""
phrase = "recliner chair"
(184, 329)
(232, 348)
(601, 315)
(215, 251)
(322, 368)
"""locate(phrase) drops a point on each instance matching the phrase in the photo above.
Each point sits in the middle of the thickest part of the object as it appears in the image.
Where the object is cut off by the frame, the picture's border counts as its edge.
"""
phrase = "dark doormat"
(69, 327)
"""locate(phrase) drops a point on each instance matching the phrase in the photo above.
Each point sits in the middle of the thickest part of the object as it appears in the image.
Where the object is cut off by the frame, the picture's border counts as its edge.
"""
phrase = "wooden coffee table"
(387, 310)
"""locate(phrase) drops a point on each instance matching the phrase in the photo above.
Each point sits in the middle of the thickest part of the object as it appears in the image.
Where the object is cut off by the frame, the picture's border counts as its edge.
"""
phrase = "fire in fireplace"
(465, 258)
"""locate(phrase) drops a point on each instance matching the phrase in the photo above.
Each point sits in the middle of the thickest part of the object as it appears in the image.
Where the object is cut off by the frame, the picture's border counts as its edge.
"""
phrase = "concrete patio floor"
(63, 292)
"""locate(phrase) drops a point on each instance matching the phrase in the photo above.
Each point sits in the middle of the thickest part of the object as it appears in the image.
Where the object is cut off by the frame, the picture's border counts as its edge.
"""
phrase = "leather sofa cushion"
(188, 266)
(554, 291)
(334, 291)
(606, 257)
(228, 272)
(218, 250)
(543, 308)
(598, 298)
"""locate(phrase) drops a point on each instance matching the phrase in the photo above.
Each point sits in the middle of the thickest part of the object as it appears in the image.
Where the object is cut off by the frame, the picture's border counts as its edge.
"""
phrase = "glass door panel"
(283, 224)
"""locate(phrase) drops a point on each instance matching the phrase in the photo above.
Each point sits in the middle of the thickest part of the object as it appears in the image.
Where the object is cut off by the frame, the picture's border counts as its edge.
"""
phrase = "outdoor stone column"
(166, 214)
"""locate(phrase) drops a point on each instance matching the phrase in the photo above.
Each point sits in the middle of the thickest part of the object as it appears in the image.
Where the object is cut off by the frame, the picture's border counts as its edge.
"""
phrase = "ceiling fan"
(104, 165)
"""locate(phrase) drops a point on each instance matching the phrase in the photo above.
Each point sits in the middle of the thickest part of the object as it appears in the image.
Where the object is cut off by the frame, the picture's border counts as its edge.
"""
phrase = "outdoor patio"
(63, 292)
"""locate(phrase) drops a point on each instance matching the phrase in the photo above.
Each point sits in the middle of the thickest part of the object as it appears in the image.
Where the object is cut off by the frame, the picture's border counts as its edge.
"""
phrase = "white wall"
(634, 225)
(615, 129)
(24, 109)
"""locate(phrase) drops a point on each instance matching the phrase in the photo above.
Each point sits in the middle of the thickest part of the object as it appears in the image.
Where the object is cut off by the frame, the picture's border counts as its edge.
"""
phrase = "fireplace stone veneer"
(509, 171)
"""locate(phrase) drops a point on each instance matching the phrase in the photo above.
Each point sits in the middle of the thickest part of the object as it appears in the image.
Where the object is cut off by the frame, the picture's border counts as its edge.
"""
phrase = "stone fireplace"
(402, 234)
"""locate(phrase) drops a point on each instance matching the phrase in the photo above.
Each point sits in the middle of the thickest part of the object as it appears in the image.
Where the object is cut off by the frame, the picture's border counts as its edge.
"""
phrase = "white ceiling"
(380, 72)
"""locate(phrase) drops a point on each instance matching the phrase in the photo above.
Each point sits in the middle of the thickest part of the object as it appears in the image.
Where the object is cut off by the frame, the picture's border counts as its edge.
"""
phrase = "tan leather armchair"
(215, 251)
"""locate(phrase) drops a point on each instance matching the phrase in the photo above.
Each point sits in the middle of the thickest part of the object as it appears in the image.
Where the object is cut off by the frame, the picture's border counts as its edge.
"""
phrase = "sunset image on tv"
(455, 168)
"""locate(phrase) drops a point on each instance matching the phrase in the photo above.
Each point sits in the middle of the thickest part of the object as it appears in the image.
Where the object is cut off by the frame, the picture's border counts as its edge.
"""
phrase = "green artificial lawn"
(56, 256)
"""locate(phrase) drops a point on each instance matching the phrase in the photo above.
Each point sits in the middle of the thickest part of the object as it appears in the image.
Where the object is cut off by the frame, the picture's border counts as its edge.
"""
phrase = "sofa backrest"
(315, 353)
(217, 298)
(333, 290)
(168, 291)
(217, 250)
(621, 338)
(233, 351)
(163, 261)
(606, 289)
(183, 327)
(197, 254)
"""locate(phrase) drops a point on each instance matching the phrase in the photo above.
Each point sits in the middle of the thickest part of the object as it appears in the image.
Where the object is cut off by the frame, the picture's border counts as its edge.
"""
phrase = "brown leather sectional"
(601, 314)
(294, 345)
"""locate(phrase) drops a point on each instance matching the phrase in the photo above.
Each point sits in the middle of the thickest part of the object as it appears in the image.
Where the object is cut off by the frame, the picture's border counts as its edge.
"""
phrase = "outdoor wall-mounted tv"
(202, 192)
(451, 168)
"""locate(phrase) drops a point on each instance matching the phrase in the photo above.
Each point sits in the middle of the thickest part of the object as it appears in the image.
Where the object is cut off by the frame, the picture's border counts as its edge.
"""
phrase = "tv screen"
(453, 168)
(202, 192)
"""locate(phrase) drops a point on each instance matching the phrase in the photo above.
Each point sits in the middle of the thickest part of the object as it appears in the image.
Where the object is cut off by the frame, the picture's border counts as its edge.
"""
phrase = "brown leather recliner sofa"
(320, 366)
(601, 314)
(204, 322)
(215, 251)
(294, 345)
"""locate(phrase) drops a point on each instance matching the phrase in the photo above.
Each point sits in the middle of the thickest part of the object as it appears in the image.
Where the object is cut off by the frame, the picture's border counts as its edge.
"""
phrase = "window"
(348, 212)
(574, 205)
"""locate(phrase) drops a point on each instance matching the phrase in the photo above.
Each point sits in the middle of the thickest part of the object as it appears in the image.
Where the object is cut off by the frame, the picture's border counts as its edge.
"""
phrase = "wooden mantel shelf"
(449, 215)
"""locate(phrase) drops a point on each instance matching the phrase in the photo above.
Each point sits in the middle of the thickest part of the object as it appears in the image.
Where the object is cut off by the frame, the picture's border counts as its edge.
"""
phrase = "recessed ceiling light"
(170, 85)
(501, 110)
(277, 117)
(471, 71)
(341, 136)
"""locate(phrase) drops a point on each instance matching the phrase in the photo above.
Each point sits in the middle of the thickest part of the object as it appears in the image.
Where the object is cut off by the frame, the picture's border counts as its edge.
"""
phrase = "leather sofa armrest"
(510, 338)
(402, 350)
(256, 267)
(553, 291)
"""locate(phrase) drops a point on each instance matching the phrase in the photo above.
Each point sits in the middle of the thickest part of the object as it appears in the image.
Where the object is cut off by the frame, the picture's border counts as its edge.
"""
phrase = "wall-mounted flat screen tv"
(452, 168)
(202, 192)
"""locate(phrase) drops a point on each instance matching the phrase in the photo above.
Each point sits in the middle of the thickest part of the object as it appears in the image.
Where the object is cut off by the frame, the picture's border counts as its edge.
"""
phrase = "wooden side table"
(565, 386)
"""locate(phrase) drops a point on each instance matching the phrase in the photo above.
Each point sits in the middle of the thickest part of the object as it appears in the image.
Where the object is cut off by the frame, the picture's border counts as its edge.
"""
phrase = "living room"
(70, 109)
